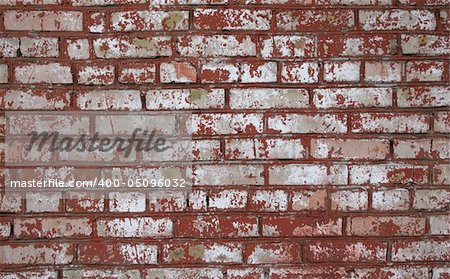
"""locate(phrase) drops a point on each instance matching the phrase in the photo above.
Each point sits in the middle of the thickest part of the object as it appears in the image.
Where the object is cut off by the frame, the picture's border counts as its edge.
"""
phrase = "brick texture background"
(321, 129)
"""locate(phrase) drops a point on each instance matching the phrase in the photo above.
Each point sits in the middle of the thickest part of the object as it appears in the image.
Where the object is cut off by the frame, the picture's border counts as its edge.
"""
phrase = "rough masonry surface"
(320, 137)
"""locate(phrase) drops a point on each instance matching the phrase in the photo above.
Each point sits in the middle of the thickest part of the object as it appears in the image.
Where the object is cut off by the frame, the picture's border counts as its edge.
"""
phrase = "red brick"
(216, 45)
(445, 18)
(307, 272)
(187, 272)
(412, 149)
(99, 273)
(307, 174)
(385, 71)
(164, 201)
(49, 274)
(52, 227)
(36, 253)
(345, 149)
(352, 97)
(385, 174)
(442, 122)
(269, 200)
(43, 20)
(431, 199)
(266, 148)
(390, 199)
(10, 202)
(4, 73)
(206, 150)
(203, 252)
(276, 2)
(436, 96)
(440, 149)
(424, 71)
(39, 47)
(349, 200)
(425, 44)
(442, 171)
(9, 47)
(313, 20)
(303, 200)
(96, 22)
(43, 73)
(397, 20)
(5, 228)
(229, 199)
(219, 71)
(78, 49)
(43, 201)
(96, 74)
(420, 250)
(390, 123)
(246, 72)
(150, 20)
(185, 99)
(441, 174)
(126, 202)
(222, 124)
(176, 72)
(217, 226)
(244, 273)
(391, 272)
(228, 175)
(338, 71)
(34, 99)
(356, 45)
(346, 251)
(126, 47)
(258, 72)
(288, 46)
(272, 253)
(135, 227)
(439, 225)
(386, 226)
(354, 2)
(137, 73)
(424, 2)
(266, 98)
(197, 200)
(105, 2)
(117, 253)
(298, 72)
(85, 202)
(278, 226)
(308, 123)
(109, 100)
(441, 272)
(232, 19)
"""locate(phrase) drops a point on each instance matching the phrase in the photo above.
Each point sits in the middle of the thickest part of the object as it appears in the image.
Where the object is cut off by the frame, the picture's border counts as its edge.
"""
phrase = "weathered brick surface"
(329, 20)
(391, 199)
(43, 20)
(39, 47)
(319, 137)
(396, 19)
(348, 251)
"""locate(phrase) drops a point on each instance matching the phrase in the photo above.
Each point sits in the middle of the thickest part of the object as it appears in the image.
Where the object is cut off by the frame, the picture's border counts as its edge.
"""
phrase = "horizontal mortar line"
(196, 32)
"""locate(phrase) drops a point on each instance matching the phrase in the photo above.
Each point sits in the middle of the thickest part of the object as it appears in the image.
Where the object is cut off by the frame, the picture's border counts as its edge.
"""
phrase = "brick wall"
(322, 124)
